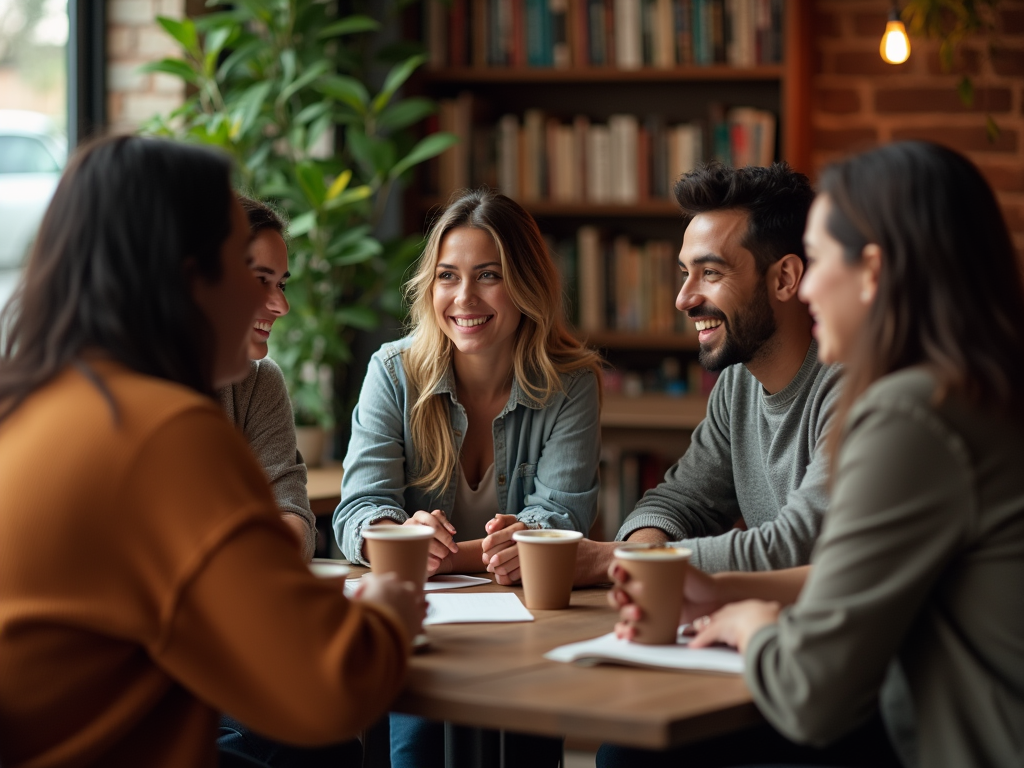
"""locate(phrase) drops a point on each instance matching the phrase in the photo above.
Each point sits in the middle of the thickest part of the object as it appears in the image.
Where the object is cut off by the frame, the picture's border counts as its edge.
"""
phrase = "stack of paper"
(679, 656)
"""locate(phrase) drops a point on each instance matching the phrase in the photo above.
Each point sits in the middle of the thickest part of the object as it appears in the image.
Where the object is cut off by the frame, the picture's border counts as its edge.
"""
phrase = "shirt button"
(501, 479)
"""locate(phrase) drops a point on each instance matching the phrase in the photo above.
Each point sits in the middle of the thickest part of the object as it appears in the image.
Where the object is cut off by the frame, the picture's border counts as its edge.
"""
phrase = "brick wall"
(860, 101)
(134, 38)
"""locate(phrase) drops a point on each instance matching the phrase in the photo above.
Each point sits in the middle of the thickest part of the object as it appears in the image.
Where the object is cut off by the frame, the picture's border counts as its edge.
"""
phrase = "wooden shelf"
(653, 411)
(551, 209)
(628, 340)
(601, 74)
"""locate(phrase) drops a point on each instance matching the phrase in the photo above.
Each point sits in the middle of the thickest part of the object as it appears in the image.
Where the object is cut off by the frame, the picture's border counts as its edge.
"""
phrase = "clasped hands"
(498, 552)
(705, 598)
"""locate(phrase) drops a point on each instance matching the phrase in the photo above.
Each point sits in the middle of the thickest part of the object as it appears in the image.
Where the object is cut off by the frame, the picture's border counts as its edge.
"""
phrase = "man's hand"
(404, 598)
(594, 558)
(499, 551)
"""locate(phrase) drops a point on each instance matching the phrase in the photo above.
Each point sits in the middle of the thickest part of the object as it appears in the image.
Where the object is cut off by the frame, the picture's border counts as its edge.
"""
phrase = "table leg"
(471, 747)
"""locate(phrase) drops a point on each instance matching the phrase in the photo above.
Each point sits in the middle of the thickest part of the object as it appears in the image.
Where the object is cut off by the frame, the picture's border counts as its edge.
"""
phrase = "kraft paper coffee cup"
(399, 549)
(547, 563)
(661, 571)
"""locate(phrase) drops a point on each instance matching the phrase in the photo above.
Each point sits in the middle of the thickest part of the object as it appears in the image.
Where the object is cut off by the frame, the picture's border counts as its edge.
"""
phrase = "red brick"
(845, 139)
(1011, 22)
(865, 63)
(897, 100)
(966, 61)
(962, 139)
(1008, 61)
(1004, 178)
(826, 25)
(870, 24)
(836, 100)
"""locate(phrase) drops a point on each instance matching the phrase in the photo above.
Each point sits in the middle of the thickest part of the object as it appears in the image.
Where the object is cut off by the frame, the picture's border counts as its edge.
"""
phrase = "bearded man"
(759, 454)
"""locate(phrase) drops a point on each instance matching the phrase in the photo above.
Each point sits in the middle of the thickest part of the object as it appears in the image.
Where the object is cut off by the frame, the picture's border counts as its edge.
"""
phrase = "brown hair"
(948, 269)
(261, 215)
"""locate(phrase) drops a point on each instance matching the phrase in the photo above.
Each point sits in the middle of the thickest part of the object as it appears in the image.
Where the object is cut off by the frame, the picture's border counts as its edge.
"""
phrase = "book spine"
(560, 55)
(591, 280)
(508, 155)
(628, 43)
(480, 23)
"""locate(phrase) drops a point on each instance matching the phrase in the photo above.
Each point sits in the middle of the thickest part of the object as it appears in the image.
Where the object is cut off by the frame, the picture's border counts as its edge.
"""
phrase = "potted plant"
(283, 86)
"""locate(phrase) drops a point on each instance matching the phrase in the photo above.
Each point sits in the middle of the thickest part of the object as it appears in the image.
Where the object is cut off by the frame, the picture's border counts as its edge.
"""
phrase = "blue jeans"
(419, 743)
(237, 743)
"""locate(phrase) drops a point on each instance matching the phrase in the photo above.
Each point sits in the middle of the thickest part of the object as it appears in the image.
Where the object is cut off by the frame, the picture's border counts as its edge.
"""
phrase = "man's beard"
(745, 334)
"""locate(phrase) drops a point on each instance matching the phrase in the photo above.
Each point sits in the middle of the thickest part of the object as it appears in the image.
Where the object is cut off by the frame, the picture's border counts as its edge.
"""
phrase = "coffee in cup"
(661, 569)
(547, 563)
(399, 549)
(326, 568)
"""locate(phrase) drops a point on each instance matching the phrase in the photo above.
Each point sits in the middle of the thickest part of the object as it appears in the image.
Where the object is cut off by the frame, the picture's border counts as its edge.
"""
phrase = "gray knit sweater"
(259, 406)
(756, 456)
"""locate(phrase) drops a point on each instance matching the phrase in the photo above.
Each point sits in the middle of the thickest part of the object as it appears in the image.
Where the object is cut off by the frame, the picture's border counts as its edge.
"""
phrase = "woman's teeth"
(261, 326)
(466, 322)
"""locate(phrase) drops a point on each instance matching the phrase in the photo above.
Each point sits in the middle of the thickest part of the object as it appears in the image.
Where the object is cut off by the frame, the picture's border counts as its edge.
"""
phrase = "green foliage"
(282, 86)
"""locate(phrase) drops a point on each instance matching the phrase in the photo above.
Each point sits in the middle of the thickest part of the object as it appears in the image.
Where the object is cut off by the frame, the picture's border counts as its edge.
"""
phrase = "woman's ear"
(785, 282)
(871, 266)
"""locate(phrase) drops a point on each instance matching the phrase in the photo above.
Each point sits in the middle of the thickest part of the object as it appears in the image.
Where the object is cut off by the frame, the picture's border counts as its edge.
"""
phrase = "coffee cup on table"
(399, 549)
(547, 563)
(660, 570)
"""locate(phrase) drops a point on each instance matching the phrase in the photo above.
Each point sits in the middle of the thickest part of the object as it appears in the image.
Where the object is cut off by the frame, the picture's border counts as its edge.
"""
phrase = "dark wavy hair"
(108, 269)
(950, 293)
(777, 199)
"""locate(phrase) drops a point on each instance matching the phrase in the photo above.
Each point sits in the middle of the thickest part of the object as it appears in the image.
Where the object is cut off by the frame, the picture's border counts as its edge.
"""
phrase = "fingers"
(505, 561)
(443, 530)
(617, 573)
(514, 577)
(625, 631)
(500, 539)
(498, 522)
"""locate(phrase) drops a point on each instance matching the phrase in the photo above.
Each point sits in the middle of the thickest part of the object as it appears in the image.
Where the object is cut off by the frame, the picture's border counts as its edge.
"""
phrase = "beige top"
(474, 506)
(921, 558)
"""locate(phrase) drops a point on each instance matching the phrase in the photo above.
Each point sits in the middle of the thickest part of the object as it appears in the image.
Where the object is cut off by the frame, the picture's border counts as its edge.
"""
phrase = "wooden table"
(494, 676)
(323, 485)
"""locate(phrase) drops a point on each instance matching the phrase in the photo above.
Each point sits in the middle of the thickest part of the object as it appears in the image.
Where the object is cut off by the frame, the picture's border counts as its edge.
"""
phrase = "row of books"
(627, 34)
(616, 284)
(623, 161)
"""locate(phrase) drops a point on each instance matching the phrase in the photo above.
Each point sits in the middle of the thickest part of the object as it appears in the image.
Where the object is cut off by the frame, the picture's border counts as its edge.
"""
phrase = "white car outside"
(32, 155)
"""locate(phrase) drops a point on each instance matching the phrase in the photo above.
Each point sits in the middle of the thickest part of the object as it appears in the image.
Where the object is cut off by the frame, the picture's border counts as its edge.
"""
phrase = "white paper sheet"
(679, 656)
(482, 607)
(434, 583)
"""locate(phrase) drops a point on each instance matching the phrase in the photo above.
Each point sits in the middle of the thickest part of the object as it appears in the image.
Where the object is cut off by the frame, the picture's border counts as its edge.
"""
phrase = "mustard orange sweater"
(147, 583)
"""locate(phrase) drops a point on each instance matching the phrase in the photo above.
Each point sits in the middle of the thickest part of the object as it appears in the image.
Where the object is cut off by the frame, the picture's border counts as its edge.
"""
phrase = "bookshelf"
(520, 121)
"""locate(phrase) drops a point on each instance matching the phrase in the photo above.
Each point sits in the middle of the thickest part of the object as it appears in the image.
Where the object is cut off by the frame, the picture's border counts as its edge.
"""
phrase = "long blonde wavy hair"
(543, 347)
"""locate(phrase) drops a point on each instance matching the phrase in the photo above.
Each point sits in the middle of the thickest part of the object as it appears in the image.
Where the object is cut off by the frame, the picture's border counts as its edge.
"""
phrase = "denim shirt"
(545, 456)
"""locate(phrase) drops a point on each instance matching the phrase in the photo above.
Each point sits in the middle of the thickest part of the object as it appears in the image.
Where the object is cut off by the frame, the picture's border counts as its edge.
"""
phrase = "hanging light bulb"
(895, 47)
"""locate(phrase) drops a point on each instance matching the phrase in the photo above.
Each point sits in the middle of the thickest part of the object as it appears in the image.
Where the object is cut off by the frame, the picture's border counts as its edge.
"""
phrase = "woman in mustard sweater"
(147, 581)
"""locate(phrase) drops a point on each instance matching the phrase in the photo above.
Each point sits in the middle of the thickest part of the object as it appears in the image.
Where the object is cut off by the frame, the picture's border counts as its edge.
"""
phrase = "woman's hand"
(500, 554)
(403, 598)
(735, 624)
(442, 544)
(701, 593)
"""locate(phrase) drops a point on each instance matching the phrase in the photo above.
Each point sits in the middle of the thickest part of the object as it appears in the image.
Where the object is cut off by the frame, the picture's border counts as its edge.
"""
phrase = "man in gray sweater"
(759, 455)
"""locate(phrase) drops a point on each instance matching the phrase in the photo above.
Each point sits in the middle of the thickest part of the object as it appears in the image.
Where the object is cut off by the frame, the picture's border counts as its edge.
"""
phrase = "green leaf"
(965, 90)
(992, 129)
(348, 197)
(213, 44)
(311, 180)
(404, 113)
(312, 112)
(347, 90)
(364, 250)
(248, 106)
(302, 224)
(361, 148)
(395, 79)
(183, 31)
(363, 318)
(303, 80)
(348, 26)
(429, 147)
(288, 65)
(346, 238)
(339, 184)
(175, 67)
(240, 55)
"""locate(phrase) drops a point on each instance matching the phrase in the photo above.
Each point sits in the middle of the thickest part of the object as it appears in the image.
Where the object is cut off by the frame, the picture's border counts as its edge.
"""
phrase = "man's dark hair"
(777, 199)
